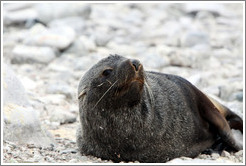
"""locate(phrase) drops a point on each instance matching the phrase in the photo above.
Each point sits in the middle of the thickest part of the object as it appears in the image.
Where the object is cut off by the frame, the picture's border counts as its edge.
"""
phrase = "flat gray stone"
(193, 38)
(19, 16)
(51, 11)
(59, 37)
(32, 54)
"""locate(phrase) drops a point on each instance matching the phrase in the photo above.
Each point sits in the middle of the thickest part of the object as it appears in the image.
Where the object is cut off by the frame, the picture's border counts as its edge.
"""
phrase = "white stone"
(58, 37)
(51, 11)
(19, 16)
(21, 122)
(30, 54)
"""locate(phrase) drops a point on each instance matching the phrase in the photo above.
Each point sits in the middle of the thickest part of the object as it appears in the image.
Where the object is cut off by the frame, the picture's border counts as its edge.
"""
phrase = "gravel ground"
(50, 46)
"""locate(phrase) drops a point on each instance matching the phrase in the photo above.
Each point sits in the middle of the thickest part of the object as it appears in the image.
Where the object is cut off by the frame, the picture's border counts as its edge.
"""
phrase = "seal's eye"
(107, 72)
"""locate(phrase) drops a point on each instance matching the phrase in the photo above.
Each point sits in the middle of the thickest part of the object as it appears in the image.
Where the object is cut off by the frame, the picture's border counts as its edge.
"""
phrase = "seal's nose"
(136, 64)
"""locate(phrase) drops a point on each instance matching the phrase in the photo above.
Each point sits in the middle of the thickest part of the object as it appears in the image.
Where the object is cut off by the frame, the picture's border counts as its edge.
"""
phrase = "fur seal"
(129, 114)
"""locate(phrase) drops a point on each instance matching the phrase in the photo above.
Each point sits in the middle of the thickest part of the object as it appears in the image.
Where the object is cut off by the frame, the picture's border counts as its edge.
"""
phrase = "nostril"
(136, 64)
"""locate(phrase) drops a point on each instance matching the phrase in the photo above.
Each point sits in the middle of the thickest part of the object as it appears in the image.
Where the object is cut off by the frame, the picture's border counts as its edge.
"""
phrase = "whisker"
(150, 93)
(105, 93)
(109, 82)
(100, 84)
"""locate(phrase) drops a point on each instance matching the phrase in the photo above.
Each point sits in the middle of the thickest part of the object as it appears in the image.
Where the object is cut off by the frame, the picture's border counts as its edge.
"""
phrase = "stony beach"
(47, 47)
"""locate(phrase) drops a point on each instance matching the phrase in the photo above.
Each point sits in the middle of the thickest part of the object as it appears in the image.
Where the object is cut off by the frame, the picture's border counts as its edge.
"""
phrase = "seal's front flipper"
(218, 122)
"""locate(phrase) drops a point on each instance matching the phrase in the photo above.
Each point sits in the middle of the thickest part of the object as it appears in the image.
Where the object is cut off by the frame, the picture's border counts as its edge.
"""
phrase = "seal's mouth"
(135, 82)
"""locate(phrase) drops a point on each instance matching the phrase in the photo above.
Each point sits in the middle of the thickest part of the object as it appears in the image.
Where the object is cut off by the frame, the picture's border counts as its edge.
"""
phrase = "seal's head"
(113, 82)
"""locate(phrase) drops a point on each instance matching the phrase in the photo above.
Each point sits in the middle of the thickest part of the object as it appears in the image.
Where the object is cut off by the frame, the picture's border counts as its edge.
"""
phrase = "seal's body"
(128, 114)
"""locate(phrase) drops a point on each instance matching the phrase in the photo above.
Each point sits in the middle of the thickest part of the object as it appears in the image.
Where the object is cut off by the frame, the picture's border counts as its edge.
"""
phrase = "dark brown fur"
(129, 114)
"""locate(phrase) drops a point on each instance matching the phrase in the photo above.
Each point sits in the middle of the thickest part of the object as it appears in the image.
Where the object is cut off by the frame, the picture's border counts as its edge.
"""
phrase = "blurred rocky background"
(47, 47)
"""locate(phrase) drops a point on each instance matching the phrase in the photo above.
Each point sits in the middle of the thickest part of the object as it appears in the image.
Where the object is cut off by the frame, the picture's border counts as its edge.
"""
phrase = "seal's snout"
(136, 64)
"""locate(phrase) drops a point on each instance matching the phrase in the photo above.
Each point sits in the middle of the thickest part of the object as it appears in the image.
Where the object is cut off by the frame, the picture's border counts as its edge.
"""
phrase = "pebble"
(73, 161)
(102, 39)
(75, 22)
(57, 37)
(215, 156)
(49, 11)
(16, 6)
(193, 38)
(19, 16)
(61, 88)
(225, 154)
(68, 151)
(62, 117)
(32, 54)
(215, 9)
(79, 47)
(239, 153)
(13, 89)
(88, 43)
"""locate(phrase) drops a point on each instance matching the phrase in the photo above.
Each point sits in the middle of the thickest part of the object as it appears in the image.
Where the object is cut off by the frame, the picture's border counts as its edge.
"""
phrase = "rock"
(84, 158)
(62, 117)
(183, 58)
(32, 54)
(215, 156)
(203, 156)
(75, 22)
(238, 136)
(205, 16)
(55, 99)
(21, 122)
(237, 96)
(16, 6)
(88, 42)
(153, 60)
(51, 11)
(80, 48)
(173, 31)
(66, 151)
(13, 90)
(73, 161)
(193, 38)
(215, 9)
(226, 91)
(195, 79)
(28, 83)
(239, 153)
(37, 157)
(213, 90)
(83, 63)
(58, 37)
(21, 125)
(199, 161)
(225, 154)
(66, 75)
(61, 88)
(102, 39)
(19, 16)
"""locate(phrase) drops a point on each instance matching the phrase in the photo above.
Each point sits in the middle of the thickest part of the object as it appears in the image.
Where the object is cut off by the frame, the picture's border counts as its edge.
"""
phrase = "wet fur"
(148, 117)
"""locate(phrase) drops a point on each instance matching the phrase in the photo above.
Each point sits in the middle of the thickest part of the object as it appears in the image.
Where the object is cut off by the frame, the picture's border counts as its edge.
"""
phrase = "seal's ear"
(217, 121)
